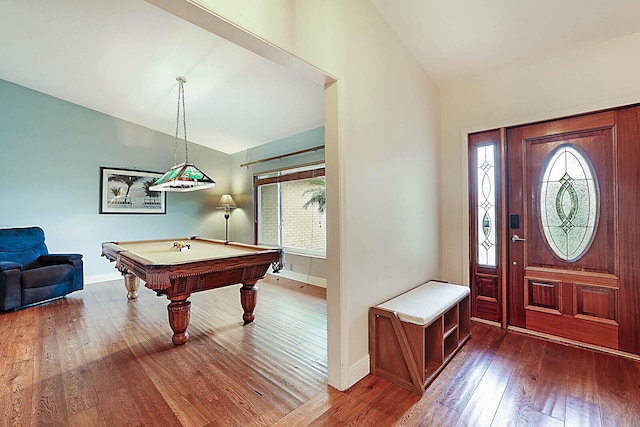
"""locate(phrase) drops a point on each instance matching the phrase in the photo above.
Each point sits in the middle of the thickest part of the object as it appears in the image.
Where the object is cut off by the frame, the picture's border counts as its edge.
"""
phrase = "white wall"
(383, 194)
(583, 80)
(51, 152)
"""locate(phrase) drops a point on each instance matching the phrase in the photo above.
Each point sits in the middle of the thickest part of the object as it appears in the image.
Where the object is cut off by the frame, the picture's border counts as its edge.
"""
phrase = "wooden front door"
(563, 225)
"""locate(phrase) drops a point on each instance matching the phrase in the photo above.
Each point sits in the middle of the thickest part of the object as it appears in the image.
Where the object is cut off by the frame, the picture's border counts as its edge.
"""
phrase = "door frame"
(627, 128)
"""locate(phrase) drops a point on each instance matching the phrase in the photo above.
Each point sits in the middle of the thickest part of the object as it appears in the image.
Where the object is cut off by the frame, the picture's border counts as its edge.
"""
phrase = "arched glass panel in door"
(568, 203)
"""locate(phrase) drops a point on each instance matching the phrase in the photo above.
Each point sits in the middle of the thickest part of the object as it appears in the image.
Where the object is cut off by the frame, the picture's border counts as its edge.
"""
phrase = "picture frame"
(126, 191)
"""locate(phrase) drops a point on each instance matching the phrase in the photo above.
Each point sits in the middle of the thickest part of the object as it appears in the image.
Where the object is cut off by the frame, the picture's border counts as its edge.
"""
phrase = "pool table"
(179, 267)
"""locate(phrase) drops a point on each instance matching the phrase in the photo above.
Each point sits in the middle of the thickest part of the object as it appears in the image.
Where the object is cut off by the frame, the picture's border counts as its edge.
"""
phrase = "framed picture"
(125, 191)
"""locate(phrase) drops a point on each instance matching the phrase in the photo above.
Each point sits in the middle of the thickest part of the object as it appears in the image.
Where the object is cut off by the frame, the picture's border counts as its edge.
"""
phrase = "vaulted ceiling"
(456, 40)
(121, 57)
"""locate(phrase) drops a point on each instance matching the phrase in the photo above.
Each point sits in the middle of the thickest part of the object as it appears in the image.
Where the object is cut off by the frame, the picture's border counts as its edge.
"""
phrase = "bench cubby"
(414, 335)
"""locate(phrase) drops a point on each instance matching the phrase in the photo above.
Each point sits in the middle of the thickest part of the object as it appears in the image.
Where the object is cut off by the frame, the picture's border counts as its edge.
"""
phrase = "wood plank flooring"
(96, 359)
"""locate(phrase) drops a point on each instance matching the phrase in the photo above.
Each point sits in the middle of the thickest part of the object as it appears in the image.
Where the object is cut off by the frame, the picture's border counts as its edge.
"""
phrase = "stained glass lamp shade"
(185, 176)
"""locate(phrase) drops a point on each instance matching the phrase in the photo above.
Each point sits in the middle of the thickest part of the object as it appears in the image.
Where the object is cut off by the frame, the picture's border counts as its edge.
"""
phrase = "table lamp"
(226, 203)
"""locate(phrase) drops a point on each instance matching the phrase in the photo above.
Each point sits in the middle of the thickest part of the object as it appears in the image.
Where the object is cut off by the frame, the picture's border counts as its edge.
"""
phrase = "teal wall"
(51, 152)
(50, 156)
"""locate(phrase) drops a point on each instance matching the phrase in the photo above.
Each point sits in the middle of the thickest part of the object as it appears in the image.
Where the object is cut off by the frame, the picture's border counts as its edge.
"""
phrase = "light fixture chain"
(184, 177)
(184, 122)
(175, 145)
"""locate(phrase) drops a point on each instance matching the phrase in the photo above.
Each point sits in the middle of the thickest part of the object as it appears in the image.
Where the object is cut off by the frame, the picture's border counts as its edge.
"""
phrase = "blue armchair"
(29, 274)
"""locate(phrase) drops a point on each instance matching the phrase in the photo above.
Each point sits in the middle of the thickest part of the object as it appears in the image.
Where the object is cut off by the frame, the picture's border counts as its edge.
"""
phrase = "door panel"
(543, 295)
(596, 303)
(563, 272)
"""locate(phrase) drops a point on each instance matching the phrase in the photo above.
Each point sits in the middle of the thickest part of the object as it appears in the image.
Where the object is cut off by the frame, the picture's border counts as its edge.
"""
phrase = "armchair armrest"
(73, 259)
(10, 274)
(9, 265)
(53, 259)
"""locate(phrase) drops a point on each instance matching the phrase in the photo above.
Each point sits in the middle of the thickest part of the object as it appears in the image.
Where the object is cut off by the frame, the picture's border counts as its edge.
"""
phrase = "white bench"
(414, 335)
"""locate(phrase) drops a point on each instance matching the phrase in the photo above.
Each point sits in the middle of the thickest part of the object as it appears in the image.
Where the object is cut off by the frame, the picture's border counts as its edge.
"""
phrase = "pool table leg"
(132, 283)
(179, 315)
(248, 299)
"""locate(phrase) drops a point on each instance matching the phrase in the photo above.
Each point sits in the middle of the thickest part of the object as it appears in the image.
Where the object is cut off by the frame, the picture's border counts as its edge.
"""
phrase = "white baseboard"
(304, 278)
(359, 370)
(97, 278)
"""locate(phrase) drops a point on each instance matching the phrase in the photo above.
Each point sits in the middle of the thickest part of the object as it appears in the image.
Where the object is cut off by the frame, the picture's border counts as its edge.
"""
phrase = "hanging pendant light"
(184, 176)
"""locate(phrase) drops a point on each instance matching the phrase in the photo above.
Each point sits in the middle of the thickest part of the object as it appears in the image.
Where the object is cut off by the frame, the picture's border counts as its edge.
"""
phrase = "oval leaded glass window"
(568, 203)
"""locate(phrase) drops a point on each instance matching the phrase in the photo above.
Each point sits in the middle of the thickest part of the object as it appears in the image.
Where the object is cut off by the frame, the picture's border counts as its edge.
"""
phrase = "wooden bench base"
(411, 355)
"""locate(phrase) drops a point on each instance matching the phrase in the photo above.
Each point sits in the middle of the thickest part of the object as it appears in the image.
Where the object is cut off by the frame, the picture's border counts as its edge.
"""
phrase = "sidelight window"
(486, 205)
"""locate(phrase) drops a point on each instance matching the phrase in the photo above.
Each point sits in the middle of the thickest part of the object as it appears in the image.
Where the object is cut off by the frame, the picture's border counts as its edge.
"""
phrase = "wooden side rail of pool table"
(178, 281)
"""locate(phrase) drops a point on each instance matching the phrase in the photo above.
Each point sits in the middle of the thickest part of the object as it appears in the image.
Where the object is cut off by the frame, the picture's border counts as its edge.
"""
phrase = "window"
(568, 203)
(290, 209)
(486, 205)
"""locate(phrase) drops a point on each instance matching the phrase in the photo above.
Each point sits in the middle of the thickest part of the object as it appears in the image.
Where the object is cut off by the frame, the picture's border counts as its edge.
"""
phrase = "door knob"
(516, 238)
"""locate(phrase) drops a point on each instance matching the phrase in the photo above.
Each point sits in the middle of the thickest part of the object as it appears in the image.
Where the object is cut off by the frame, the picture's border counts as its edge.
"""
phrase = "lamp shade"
(226, 202)
(183, 177)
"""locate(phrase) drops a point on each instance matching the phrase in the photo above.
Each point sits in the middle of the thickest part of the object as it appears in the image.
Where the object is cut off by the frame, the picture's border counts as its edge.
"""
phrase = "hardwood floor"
(95, 359)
